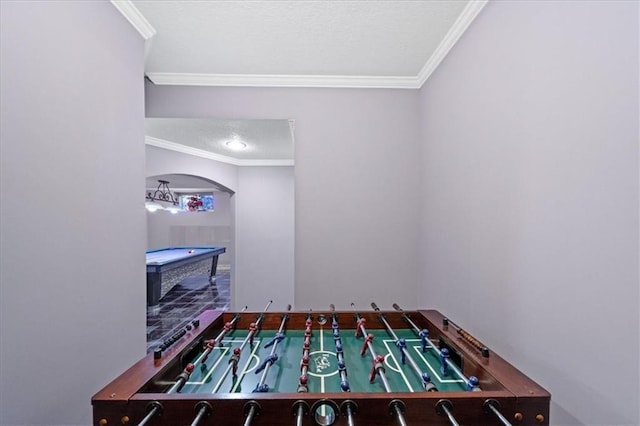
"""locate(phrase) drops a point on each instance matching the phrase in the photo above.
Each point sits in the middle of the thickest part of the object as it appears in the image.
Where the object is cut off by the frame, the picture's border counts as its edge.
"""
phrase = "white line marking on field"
(399, 369)
(418, 350)
(224, 350)
(244, 369)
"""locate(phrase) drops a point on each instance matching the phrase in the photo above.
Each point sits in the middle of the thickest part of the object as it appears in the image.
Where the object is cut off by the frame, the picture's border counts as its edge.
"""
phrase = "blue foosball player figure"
(444, 355)
(424, 336)
(402, 344)
(270, 359)
(279, 337)
(472, 384)
(427, 383)
(261, 388)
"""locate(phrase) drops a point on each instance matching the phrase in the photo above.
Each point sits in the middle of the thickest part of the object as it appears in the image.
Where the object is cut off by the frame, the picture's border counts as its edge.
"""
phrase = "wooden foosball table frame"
(130, 397)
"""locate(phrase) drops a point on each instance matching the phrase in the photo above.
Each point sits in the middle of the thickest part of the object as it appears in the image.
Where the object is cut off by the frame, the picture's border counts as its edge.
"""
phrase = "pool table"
(168, 266)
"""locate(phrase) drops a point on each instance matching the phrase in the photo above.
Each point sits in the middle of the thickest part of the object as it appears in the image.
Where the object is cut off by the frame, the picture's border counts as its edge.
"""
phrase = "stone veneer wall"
(172, 277)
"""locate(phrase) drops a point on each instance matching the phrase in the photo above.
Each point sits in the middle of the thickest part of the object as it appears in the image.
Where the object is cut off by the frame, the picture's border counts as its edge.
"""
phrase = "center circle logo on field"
(322, 364)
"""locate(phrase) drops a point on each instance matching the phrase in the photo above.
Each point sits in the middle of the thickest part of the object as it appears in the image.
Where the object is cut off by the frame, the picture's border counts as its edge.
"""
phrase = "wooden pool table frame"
(126, 399)
(156, 270)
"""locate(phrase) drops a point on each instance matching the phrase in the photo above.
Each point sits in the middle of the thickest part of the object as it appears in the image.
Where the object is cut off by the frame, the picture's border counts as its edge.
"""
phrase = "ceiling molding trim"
(258, 80)
(465, 19)
(183, 190)
(172, 146)
(135, 18)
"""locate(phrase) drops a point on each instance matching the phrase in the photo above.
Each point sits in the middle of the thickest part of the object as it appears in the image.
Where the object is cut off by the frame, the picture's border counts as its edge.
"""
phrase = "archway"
(211, 225)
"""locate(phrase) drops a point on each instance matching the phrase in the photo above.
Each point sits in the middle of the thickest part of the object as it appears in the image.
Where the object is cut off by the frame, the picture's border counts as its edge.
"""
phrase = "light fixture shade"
(172, 209)
(236, 145)
(152, 206)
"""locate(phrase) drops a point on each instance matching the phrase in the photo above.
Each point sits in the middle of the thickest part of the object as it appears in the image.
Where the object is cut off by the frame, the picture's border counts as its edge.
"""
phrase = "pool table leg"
(214, 267)
(153, 288)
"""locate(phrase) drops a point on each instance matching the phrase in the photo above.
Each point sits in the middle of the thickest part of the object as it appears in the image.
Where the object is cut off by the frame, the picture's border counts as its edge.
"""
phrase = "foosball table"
(351, 368)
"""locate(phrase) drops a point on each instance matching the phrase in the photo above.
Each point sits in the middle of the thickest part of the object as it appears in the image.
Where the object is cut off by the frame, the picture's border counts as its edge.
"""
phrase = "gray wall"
(265, 238)
(72, 294)
(530, 202)
(356, 180)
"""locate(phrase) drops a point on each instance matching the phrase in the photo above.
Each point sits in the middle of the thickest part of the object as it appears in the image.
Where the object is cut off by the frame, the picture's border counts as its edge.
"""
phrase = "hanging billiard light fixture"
(162, 195)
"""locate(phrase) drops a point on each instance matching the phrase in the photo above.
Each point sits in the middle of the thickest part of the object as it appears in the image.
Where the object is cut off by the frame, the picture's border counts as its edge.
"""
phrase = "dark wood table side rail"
(497, 367)
(147, 369)
(276, 409)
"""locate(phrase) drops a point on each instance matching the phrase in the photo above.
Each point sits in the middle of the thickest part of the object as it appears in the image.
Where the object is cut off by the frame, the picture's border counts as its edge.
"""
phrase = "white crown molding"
(135, 18)
(172, 146)
(469, 13)
(258, 80)
(465, 19)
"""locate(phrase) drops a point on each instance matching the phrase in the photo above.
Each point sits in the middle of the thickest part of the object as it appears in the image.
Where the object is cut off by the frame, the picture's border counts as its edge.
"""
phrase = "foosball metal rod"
(154, 409)
(380, 369)
(219, 337)
(348, 408)
(412, 362)
(492, 405)
(372, 351)
(444, 407)
(250, 415)
(285, 318)
(306, 349)
(184, 376)
(450, 363)
(256, 327)
(244, 343)
(305, 368)
(203, 409)
(344, 384)
(300, 409)
(252, 411)
(300, 415)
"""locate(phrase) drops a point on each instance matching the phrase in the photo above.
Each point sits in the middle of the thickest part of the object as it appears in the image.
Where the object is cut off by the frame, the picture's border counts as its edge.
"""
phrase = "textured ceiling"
(298, 43)
(329, 43)
(265, 140)
(356, 38)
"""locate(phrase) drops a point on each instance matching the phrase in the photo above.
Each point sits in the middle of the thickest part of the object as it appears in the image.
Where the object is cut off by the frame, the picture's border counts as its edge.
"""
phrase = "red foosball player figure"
(252, 332)
(302, 386)
(234, 361)
(304, 362)
(378, 364)
(208, 348)
(364, 345)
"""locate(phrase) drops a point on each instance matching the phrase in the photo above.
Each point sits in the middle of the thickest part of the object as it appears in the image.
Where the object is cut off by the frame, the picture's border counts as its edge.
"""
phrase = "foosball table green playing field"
(322, 368)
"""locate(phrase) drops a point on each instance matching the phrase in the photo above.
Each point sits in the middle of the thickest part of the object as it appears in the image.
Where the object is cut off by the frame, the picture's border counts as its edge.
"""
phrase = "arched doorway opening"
(209, 223)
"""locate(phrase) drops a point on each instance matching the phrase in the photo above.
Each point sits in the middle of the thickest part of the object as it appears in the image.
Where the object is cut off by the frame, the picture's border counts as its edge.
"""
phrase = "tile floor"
(184, 303)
